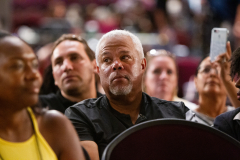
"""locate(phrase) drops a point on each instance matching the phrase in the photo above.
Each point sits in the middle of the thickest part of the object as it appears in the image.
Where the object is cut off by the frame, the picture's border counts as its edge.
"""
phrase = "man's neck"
(80, 96)
(129, 104)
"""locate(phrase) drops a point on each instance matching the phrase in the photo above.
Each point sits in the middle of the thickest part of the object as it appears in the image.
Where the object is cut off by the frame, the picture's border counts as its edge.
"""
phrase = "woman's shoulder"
(52, 120)
(53, 125)
(58, 131)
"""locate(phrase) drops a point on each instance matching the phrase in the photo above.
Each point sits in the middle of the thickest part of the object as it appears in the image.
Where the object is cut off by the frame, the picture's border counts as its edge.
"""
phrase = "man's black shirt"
(96, 120)
(57, 101)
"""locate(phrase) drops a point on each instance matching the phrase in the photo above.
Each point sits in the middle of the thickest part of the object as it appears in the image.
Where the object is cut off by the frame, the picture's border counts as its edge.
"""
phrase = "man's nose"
(117, 65)
(67, 65)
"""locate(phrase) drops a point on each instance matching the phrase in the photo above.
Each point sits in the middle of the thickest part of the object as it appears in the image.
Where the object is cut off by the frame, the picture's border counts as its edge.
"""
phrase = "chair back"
(171, 139)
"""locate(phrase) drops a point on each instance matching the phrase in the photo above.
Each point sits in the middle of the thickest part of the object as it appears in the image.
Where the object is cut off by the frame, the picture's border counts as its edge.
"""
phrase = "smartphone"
(218, 42)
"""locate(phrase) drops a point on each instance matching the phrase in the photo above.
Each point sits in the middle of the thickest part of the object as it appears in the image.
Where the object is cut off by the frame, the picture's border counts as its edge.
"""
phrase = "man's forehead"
(68, 47)
(68, 44)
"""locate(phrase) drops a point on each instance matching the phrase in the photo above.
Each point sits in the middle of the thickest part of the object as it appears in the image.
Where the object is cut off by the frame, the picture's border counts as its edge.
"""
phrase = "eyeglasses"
(207, 70)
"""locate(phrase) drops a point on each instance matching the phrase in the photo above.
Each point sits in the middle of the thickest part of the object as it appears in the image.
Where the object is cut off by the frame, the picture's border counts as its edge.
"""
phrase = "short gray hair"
(137, 43)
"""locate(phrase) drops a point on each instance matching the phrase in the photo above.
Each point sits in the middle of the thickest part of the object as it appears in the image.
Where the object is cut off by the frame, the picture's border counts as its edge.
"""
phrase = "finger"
(218, 63)
(229, 50)
(221, 57)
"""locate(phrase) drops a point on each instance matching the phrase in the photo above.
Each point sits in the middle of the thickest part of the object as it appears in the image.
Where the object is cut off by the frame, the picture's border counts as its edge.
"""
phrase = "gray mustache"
(116, 74)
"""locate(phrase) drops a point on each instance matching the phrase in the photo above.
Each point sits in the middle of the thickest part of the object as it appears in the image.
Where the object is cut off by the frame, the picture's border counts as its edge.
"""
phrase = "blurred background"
(181, 26)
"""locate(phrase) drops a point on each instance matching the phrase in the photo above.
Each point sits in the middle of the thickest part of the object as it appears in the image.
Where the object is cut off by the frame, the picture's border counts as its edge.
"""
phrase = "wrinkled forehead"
(115, 41)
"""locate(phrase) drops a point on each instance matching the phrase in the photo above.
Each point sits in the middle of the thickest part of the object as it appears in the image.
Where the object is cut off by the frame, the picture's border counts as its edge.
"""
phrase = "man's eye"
(106, 60)
(58, 62)
(74, 58)
(125, 57)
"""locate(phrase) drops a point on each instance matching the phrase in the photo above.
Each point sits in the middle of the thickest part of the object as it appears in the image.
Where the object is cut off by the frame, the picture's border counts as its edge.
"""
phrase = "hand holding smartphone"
(218, 42)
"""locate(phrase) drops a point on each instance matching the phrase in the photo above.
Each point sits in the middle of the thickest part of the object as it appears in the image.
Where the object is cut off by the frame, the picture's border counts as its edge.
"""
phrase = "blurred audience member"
(73, 68)
(55, 24)
(213, 83)
(29, 132)
(44, 57)
(161, 77)
(230, 122)
(74, 15)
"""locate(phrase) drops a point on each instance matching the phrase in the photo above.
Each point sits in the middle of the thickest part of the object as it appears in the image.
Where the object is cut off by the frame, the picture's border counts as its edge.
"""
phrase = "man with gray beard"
(120, 65)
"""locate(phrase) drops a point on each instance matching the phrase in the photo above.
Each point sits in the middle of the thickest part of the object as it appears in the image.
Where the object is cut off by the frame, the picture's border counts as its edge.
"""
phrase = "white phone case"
(218, 42)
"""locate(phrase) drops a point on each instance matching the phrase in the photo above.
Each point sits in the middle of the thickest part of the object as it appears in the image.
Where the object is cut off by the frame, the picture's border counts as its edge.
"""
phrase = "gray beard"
(121, 90)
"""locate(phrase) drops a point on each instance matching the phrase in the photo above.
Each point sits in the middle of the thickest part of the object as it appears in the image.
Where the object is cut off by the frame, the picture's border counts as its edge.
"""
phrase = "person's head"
(44, 57)
(235, 67)
(73, 65)
(120, 63)
(161, 77)
(20, 79)
(207, 79)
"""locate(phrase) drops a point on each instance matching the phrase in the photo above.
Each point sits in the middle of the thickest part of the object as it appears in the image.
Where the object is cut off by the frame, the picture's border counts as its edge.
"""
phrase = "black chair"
(170, 139)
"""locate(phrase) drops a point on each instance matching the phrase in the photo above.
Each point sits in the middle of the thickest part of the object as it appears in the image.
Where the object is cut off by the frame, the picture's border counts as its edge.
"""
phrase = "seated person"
(120, 65)
(73, 68)
(161, 77)
(213, 83)
(26, 132)
(229, 122)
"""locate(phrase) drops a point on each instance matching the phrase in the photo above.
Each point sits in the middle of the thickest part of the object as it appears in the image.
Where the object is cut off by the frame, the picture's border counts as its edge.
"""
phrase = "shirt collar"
(142, 105)
(237, 116)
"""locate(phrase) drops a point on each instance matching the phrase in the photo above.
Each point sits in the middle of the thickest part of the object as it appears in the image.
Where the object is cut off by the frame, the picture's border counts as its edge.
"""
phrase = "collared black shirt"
(57, 101)
(96, 120)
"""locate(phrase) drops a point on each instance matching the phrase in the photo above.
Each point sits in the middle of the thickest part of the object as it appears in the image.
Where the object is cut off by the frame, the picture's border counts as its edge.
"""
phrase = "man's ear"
(144, 64)
(94, 66)
(97, 70)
